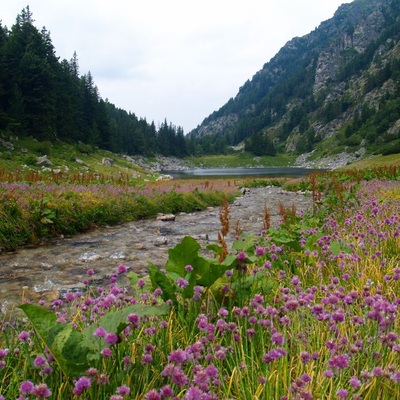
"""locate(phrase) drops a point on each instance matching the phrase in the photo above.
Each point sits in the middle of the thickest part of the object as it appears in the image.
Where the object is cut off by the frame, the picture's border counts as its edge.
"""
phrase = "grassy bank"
(31, 211)
(308, 308)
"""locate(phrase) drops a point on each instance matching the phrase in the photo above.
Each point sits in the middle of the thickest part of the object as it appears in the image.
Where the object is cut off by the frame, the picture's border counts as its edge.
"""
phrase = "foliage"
(49, 100)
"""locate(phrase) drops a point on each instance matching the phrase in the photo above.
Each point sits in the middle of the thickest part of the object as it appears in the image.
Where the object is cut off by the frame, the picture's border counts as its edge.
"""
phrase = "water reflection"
(240, 172)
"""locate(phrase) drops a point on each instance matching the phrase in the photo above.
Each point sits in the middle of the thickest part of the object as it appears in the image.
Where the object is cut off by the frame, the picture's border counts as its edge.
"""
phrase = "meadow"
(305, 309)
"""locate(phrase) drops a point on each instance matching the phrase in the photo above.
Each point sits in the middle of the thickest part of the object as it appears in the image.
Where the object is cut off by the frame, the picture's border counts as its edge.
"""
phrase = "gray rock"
(160, 241)
(44, 161)
(107, 161)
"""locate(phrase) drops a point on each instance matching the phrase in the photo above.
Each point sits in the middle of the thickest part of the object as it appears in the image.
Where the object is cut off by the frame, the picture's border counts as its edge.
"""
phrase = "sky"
(178, 60)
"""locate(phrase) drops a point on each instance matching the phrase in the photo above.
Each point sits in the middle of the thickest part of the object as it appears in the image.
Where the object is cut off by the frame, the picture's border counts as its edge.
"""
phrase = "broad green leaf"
(116, 321)
(159, 279)
(184, 253)
(74, 352)
(71, 350)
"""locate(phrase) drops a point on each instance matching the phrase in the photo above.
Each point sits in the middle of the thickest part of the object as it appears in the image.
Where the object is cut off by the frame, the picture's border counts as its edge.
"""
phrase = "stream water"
(50, 270)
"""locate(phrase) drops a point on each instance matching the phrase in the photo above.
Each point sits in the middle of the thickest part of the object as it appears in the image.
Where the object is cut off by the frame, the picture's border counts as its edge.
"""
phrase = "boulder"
(107, 161)
(44, 161)
(166, 217)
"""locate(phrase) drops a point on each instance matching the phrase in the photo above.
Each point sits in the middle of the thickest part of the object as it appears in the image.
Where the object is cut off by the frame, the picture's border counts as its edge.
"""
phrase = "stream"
(52, 269)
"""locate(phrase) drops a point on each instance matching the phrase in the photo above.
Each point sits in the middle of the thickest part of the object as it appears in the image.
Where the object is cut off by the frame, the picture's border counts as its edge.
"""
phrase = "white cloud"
(172, 59)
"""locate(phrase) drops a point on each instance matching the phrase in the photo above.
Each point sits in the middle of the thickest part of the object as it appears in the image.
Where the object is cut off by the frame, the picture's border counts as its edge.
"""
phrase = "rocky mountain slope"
(334, 90)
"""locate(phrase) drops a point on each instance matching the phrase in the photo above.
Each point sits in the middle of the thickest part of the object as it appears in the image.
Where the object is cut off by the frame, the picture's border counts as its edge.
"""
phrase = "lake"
(240, 172)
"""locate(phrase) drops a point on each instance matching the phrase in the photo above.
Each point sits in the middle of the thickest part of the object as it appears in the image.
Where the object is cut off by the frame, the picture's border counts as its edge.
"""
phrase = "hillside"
(335, 89)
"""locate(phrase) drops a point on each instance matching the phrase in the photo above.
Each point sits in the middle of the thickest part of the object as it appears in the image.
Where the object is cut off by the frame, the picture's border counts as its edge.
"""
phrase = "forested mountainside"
(47, 99)
(335, 88)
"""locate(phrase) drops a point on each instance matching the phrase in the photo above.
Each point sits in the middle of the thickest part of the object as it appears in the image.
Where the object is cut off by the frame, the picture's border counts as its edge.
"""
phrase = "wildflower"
(106, 352)
(41, 390)
(179, 377)
(193, 393)
(26, 387)
(273, 354)
(90, 272)
(111, 338)
(81, 385)
(23, 336)
(121, 269)
(277, 338)
(377, 371)
(141, 283)
(100, 332)
(328, 373)
(241, 256)
(152, 395)
(39, 361)
(147, 358)
(305, 357)
(4, 352)
(355, 382)
(342, 393)
(116, 397)
(182, 283)
(123, 390)
(166, 391)
(92, 372)
(179, 356)
(134, 320)
(340, 361)
(395, 377)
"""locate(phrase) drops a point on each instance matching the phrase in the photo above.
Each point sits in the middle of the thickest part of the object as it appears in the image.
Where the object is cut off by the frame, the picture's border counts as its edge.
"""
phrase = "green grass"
(63, 156)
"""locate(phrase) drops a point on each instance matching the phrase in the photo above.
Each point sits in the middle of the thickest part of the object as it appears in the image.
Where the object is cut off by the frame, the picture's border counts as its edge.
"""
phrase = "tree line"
(48, 99)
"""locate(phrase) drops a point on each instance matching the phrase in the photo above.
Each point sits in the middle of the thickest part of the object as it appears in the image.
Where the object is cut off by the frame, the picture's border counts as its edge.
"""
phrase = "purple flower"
(342, 393)
(179, 356)
(81, 385)
(123, 390)
(328, 373)
(106, 352)
(182, 283)
(23, 336)
(193, 393)
(39, 361)
(377, 371)
(111, 338)
(116, 397)
(340, 361)
(26, 387)
(277, 338)
(179, 377)
(100, 332)
(305, 357)
(152, 395)
(188, 268)
(355, 382)
(121, 269)
(41, 390)
(273, 354)
(395, 377)
(166, 391)
(147, 358)
(4, 352)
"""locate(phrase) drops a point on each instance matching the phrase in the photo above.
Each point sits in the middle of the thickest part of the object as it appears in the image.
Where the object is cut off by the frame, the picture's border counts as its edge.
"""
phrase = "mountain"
(336, 88)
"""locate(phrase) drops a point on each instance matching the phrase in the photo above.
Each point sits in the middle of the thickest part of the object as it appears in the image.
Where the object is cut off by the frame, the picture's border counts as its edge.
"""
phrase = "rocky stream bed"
(51, 270)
